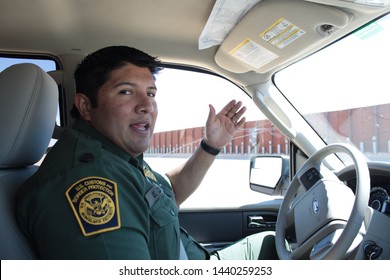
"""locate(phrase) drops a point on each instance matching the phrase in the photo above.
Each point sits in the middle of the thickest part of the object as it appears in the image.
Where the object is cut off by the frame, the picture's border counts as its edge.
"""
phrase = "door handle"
(259, 222)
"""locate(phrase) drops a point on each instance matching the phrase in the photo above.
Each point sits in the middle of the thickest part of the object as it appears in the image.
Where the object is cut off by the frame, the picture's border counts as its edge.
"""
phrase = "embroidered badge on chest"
(94, 202)
(149, 174)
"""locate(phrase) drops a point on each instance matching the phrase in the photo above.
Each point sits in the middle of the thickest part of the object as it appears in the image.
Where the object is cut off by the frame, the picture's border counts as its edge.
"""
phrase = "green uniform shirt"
(91, 200)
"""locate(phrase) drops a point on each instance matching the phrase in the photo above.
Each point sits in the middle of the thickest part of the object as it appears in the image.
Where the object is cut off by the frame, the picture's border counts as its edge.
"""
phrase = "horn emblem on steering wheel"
(316, 206)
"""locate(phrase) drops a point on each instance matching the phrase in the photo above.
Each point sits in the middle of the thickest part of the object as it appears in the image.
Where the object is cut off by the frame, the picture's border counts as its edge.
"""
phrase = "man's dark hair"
(96, 68)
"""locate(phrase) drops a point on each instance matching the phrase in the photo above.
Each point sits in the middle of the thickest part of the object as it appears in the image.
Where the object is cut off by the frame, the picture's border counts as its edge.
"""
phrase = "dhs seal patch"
(94, 202)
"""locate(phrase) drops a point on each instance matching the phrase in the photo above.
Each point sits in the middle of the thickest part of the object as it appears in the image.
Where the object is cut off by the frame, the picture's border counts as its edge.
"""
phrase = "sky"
(183, 99)
(46, 65)
(344, 74)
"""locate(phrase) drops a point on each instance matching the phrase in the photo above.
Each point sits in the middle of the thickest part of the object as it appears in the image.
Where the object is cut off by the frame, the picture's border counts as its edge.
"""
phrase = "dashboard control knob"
(371, 250)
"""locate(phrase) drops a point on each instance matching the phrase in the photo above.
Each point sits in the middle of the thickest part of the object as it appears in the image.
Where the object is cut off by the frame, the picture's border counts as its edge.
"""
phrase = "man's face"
(126, 109)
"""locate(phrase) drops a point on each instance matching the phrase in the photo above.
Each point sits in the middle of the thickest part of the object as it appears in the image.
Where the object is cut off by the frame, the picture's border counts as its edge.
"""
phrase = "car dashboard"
(377, 221)
(379, 188)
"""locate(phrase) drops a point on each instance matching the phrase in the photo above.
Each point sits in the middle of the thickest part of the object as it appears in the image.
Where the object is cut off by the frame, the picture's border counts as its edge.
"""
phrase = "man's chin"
(140, 148)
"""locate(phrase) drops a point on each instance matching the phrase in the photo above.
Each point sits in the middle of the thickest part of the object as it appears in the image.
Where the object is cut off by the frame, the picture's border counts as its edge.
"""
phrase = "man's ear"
(83, 104)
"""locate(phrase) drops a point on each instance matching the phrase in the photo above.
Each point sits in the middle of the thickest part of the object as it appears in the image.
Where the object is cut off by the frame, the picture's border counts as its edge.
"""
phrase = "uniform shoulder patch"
(94, 201)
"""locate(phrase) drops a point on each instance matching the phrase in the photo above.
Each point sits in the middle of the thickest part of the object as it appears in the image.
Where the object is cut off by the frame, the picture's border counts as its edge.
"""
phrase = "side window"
(183, 100)
(47, 64)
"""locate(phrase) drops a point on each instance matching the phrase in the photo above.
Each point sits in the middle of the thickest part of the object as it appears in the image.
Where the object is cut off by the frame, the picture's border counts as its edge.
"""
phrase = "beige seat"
(28, 106)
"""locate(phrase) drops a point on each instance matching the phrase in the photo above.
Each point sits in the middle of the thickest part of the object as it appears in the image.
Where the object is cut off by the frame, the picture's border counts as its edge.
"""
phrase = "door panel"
(217, 228)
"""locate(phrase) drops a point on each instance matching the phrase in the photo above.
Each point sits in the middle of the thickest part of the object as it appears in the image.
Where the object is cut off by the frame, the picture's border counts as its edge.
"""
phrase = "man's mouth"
(140, 126)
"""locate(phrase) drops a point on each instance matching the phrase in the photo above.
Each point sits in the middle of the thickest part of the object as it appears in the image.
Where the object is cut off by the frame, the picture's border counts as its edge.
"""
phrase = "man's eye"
(126, 92)
(152, 94)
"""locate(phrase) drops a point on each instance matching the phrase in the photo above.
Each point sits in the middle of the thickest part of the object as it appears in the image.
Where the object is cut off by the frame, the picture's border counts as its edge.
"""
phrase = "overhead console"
(274, 32)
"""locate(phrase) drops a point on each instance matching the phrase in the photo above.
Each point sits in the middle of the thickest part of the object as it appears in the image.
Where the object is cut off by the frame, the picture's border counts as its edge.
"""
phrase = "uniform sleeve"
(86, 204)
(113, 220)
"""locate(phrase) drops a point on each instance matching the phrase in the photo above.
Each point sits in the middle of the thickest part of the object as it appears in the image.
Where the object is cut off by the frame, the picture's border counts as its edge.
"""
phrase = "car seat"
(28, 106)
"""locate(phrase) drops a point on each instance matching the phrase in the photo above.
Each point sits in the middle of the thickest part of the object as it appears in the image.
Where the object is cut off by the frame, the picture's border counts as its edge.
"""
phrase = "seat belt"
(183, 254)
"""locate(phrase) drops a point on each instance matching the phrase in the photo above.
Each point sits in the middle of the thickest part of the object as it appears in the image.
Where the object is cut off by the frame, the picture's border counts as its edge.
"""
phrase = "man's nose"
(144, 104)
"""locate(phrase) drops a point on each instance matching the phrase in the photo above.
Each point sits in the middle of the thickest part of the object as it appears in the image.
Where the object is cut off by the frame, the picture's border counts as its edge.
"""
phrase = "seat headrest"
(28, 107)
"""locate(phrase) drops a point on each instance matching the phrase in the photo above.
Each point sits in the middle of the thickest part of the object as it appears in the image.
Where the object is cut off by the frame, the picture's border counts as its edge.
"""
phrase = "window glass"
(343, 90)
(45, 64)
(183, 100)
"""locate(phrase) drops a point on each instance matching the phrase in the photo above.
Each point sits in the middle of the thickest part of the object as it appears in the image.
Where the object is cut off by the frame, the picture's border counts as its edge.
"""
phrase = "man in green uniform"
(94, 197)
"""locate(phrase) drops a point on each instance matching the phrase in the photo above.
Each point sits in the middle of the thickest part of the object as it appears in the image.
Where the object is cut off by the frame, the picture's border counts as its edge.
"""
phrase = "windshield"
(343, 90)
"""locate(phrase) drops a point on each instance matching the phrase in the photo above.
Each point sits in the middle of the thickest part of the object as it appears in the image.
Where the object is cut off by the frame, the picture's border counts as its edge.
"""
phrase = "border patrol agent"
(102, 203)
(94, 197)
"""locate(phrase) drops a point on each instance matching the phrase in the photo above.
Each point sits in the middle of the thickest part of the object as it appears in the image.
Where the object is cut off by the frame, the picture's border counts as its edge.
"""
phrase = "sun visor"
(274, 32)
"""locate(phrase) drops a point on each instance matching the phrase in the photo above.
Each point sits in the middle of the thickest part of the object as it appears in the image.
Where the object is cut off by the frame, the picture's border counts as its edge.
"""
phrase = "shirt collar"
(85, 128)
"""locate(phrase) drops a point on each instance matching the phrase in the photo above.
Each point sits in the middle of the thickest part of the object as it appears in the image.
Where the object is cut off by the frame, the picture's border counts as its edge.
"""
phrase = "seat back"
(28, 106)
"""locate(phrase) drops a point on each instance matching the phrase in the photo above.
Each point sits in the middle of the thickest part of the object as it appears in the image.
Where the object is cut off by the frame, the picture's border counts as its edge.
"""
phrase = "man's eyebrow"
(132, 84)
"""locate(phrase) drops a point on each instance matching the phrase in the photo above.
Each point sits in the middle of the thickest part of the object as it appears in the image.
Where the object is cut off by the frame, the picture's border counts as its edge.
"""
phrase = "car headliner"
(169, 29)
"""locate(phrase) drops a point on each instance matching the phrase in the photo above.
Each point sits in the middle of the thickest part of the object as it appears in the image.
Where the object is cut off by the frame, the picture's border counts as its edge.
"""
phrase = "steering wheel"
(327, 217)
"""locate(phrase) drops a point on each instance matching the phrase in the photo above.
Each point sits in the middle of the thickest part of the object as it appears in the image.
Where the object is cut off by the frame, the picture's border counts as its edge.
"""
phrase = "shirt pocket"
(165, 233)
(164, 211)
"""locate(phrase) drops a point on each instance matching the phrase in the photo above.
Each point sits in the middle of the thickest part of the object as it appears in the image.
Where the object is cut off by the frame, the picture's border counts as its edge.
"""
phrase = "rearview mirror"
(269, 174)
